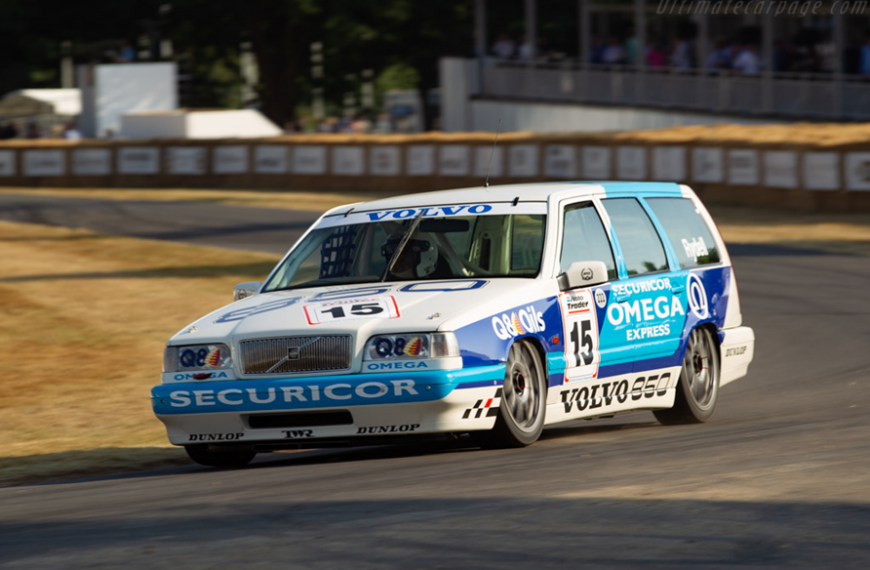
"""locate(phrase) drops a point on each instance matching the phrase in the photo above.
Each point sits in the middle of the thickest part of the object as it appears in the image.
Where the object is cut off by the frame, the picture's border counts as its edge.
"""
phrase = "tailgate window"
(686, 230)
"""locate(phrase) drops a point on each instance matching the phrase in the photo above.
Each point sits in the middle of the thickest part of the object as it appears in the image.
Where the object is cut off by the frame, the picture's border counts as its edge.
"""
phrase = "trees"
(206, 37)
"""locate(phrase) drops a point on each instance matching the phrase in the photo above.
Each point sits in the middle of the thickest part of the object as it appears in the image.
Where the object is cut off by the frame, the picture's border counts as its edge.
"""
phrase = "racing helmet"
(418, 258)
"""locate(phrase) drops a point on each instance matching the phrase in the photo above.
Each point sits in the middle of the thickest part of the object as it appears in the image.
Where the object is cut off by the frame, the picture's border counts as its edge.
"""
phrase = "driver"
(418, 259)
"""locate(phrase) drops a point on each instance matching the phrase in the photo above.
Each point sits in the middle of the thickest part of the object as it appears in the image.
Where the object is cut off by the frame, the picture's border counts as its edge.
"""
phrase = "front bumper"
(293, 409)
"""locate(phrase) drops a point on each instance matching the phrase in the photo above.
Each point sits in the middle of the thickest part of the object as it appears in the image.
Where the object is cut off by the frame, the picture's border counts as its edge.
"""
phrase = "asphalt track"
(777, 479)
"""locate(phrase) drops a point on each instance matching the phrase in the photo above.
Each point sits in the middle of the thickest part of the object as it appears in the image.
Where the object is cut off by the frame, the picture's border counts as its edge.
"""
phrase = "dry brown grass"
(838, 233)
(83, 321)
(287, 199)
(811, 134)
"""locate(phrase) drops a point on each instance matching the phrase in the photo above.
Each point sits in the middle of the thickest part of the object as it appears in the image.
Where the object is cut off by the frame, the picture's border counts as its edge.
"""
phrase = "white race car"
(491, 311)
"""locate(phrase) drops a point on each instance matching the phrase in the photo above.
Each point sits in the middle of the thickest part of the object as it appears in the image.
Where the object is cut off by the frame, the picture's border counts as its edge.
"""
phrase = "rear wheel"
(698, 389)
(223, 458)
(524, 401)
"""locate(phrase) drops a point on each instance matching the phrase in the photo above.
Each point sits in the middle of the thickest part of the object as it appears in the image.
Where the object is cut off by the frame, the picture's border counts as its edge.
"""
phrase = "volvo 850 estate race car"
(490, 311)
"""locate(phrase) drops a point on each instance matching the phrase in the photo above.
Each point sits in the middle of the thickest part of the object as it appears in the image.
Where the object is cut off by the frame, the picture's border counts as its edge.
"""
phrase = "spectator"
(361, 124)
(656, 57)
(71, 133)
(8, 131)
(631, 51)
(504, 47)
(596, 51)
(614, 53)
(526, 53)
(545, 52)
(865, 58)
(126, 54)
(681, 57)
(720, 57)
(32, 131)
(747, 61)
(781, 56)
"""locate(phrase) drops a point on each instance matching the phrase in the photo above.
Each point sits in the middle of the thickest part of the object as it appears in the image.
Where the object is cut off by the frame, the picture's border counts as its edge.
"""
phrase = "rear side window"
(584, 238)
(641, 246)
(688, 233)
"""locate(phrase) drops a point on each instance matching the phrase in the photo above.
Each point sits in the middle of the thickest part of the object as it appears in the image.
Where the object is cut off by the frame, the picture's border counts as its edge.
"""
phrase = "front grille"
(296, 354)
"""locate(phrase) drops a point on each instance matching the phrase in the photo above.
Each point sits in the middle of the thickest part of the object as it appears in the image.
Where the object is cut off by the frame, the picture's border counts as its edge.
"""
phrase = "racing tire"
(224, 459)
(524, 401)
(698, 388)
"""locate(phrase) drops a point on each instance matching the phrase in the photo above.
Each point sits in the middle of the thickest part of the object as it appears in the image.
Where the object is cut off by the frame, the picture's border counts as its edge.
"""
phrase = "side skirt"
(590, 398)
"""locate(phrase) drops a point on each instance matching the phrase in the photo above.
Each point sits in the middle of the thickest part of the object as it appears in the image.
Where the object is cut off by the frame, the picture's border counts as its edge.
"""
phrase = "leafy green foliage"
(399, 40)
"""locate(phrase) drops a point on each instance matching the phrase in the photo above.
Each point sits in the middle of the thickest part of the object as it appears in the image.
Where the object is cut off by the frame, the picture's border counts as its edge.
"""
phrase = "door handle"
(678, 289)
(620, 297)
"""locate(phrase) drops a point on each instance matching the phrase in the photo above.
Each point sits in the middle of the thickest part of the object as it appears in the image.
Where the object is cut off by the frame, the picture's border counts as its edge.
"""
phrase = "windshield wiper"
(405, 238)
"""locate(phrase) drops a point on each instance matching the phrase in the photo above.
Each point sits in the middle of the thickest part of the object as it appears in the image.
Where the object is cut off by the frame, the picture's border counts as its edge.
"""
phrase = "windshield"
(438, 248)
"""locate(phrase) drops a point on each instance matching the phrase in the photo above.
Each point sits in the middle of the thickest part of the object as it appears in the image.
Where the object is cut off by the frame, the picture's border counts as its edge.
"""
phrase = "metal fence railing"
(811, 95)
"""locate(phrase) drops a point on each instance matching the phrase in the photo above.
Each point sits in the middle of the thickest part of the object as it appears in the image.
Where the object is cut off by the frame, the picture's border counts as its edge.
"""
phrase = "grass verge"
(286, 199)
(84, 321)
(833, 232)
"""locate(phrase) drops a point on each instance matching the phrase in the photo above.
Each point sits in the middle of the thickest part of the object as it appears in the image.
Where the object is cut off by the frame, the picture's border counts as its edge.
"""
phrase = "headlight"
(196, 357)
(405, 346)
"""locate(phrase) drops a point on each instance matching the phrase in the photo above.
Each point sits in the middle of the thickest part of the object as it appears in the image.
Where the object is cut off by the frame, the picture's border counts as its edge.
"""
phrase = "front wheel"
(524, 401)
(223, 458)
(698, 389)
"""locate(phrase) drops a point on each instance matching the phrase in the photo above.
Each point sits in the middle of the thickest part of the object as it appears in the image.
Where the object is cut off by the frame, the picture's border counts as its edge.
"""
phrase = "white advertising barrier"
(309, 159)
(384, 160)
(780, 169)
(92, 161)
(631, 163)
(138, 160)
(669, 163)
(707, 165)
(7, 163)
(44, 163)
(453, 160)
(420, 160)
(271, 159)
(488, 160)
(858, 171)
(187, 160)
(523, 160)
(348, 160)
(596, 162)
(560, 161)
(821, 170)
(743, 167)
(231, 159)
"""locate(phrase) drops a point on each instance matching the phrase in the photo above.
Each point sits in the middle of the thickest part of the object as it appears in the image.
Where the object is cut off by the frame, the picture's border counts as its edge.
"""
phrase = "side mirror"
(582, 274)
(245, 290)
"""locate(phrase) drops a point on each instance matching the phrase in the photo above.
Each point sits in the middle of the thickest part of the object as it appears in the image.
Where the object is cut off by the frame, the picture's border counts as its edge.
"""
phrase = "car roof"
(536, 192)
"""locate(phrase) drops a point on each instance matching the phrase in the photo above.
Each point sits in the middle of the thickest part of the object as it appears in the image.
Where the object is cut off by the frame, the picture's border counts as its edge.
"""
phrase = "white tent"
(35, 103)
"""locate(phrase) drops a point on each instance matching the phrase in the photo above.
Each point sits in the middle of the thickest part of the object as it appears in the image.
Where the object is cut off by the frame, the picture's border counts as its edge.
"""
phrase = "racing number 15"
(380, 307)
(580, 338)
(356, 310)
(581, 334)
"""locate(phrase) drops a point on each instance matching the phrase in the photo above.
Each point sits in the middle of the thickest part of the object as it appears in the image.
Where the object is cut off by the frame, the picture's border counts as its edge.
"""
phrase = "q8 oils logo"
(517, 323)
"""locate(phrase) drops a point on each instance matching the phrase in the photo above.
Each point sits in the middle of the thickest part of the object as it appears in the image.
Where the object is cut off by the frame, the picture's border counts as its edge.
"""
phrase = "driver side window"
(584, 238)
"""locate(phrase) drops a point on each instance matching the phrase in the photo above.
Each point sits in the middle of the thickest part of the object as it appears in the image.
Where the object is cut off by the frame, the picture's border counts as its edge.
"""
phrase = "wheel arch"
(536, 343)
(714, 333)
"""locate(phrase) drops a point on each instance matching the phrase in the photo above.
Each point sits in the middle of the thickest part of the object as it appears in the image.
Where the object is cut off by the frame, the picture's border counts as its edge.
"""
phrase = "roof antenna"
(489, 166)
